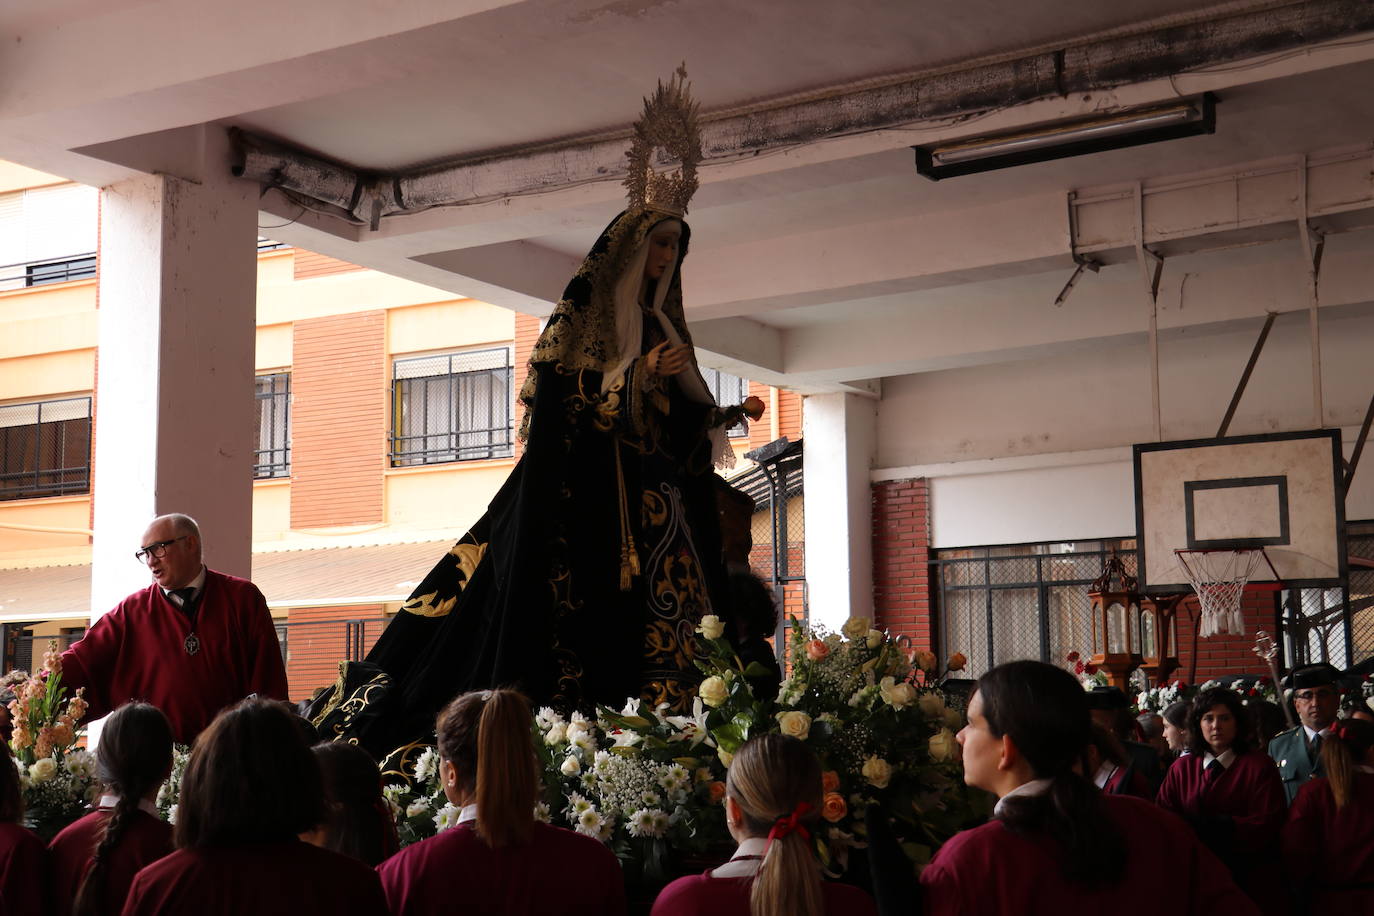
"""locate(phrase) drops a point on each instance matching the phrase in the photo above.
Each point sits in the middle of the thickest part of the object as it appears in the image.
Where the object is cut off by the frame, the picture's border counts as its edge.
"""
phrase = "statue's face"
(663, 247)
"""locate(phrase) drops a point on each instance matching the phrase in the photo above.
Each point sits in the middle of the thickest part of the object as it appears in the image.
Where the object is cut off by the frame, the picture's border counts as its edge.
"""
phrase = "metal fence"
(1334, 625)
(272, 445)
(45, 448)
(51, 270)
(778, 556)
(1021, 601)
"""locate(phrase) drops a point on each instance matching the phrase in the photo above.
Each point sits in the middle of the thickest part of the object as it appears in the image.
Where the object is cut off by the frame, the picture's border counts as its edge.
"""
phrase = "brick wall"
(309, 264)
(526, 335)
(318, 639)
(901, 559)
(339, 420)
(1219, 656)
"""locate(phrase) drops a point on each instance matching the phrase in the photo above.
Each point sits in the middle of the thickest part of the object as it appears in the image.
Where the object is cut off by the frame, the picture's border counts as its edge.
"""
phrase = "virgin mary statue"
(586, 578)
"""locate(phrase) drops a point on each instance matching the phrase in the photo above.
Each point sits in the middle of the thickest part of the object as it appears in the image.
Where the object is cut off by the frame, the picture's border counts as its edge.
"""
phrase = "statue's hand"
(666, 360)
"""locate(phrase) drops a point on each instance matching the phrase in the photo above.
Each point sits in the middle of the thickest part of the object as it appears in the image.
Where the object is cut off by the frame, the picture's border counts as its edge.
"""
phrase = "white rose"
(942, 745)
(795, 724)
(416, 808)
(558, 732)
(43, 770)
(873, 639)
(856, 628)
(897, 694)
(932, 705)
(711, 627)
(570, 767)
(878, 772)
(713, 691)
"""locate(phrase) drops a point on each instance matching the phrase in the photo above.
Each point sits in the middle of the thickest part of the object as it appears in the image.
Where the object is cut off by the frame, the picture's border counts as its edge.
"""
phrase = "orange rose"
(834, 808)
(957, 661)
(830, 781)
(816, 650)
(716, 790)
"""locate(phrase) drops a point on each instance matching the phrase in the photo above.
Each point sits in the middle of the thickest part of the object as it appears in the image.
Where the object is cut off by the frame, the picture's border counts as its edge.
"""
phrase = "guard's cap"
(1318, 675)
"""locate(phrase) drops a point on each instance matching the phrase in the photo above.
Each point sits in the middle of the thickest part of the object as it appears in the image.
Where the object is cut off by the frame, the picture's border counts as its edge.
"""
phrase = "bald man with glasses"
(191, 643)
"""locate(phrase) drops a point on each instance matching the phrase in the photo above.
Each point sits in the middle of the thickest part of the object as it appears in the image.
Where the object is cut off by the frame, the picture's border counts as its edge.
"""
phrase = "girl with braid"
(97, 857)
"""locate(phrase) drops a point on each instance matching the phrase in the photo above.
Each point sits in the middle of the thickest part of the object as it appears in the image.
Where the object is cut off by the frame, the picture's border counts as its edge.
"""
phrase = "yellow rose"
(873, 639)
(713, 691)
(711, 627)
(932, 705)
(942, 745)
(856, 628)
(953, 719)
(897, 694)
(795, 724)
(878, 772)
(925, 660)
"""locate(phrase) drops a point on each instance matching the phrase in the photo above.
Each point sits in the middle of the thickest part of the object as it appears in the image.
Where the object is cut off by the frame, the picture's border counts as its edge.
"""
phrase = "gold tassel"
(629, 557)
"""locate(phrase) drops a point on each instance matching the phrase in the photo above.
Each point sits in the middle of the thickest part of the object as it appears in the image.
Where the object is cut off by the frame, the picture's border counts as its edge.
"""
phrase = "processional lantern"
(1116, 622)
(1159, 636)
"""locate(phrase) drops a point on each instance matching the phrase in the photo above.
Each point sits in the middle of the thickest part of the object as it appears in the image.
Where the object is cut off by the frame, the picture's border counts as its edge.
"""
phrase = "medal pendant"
(192, 644)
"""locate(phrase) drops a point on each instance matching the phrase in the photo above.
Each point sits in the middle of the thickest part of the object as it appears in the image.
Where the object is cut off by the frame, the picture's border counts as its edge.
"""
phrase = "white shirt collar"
(1034, 787)
(1104, 774)
(197, 583)
(1226, 758)
(743, 868)
(467, 813)
(109, 801)
(1312, 733)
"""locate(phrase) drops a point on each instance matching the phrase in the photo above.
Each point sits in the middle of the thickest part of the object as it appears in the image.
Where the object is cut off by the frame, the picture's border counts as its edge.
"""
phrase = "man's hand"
(666, 360)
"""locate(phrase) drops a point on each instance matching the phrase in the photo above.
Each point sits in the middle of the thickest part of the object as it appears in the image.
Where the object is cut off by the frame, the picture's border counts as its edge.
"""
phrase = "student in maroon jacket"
(1056, 844)
(93, 861)
(251, 787)
(192, 643)
(21, 852)
(1232, 795)
(498, 858)
(1328, 842)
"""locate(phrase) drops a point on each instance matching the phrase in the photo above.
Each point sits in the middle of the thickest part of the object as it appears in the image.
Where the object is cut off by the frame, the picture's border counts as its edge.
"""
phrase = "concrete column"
(174, 383)
(840, 432)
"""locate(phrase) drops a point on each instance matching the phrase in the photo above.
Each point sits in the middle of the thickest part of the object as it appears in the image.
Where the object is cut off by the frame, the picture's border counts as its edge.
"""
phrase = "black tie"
(186, 595)
(1214, 770)
(1314, 747)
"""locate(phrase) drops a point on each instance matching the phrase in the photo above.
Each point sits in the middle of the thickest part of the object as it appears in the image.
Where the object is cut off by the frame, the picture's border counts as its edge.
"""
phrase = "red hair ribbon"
(1340, 731)
(785, 825)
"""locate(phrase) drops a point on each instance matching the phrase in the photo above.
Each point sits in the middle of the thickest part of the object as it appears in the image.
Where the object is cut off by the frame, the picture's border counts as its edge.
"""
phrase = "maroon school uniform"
(457, 872)
(1128, 781)
(730, 897)
(286, 877)
(22, 890)
(138, 652)
(1250, 793)
(1330, 853)
(991, 870)
(145, 840)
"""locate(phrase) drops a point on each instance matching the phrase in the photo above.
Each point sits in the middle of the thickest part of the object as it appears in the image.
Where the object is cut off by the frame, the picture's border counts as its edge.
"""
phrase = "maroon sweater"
(22, 858)
(137, 652)
(1239, 814)
(145, 840)
(1330, 853)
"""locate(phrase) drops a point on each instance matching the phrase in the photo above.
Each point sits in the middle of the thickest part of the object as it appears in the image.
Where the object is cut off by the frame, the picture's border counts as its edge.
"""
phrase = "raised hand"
(666, 359)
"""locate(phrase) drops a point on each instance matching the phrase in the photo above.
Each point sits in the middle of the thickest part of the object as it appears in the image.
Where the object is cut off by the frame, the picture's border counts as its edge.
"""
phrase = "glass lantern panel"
(1116, 628)
(1148, 630)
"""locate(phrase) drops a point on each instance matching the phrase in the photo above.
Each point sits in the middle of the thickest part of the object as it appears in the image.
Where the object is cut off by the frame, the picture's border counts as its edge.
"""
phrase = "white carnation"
(426, 765)
(446, 818)
(648, 822)
(80, 764)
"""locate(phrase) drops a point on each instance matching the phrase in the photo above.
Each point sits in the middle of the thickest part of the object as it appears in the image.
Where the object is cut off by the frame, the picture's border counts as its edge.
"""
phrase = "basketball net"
(1219, 578)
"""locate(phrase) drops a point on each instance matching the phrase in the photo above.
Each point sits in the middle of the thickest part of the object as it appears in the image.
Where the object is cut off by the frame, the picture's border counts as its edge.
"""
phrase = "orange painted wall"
(309, 264)
(317, 640)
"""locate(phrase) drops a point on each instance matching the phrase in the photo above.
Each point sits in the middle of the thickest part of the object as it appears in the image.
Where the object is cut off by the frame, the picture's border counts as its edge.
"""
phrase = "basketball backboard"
(1279, 491)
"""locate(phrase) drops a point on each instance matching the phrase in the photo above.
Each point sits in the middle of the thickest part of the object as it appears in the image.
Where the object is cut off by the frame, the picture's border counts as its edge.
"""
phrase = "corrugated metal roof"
(289, 578)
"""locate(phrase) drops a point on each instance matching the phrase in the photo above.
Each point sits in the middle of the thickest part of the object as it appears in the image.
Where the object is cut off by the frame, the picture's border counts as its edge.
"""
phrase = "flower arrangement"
(878, 718)
(1087, 672)
(57, 778)
(1158, 699)
(170, 792)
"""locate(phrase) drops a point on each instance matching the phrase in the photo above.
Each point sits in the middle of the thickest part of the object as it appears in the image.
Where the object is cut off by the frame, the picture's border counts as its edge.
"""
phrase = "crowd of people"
(271, 821)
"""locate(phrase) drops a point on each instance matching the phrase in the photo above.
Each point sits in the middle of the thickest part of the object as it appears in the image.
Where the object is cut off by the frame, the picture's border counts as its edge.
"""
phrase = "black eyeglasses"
(156, 551)
(1307, 696)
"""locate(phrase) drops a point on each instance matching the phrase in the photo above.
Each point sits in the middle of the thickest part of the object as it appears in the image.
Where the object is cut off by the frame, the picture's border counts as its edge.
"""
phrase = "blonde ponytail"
(776, 782)
(486, 736)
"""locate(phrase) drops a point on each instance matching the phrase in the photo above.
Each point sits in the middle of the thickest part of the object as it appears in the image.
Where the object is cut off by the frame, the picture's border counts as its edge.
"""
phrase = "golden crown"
(669, 123)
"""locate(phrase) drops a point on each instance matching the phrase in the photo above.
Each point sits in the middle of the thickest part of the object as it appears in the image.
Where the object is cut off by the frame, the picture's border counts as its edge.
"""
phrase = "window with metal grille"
(45, 448)
(60, 271)
(728, 390)
(1334, 625)
(452, 407)
(272, 441)
(998, 604)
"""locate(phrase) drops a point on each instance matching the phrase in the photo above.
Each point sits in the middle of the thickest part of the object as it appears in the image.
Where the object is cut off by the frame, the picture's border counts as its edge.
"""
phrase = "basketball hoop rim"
(1277, 585)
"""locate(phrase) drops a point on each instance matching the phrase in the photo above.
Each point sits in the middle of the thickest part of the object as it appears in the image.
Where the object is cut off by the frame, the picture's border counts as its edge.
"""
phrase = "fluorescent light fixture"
(1184, 118)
